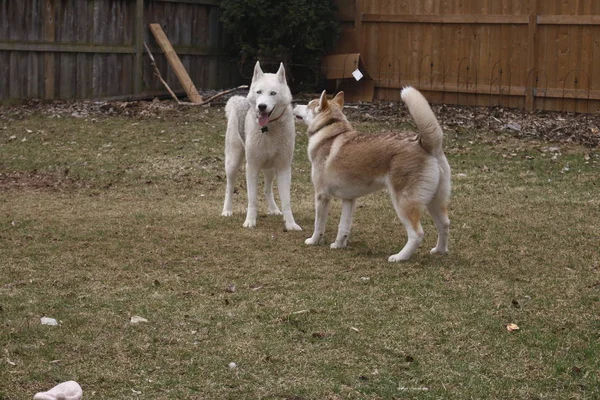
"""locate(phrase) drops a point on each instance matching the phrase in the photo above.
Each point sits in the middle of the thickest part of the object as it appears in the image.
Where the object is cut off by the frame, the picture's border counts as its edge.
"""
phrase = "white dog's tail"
(235, 110)
(430, 132)
(233, 104)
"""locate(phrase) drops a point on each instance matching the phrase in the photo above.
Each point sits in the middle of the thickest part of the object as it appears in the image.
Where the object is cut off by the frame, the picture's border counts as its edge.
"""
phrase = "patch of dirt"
(34, 180)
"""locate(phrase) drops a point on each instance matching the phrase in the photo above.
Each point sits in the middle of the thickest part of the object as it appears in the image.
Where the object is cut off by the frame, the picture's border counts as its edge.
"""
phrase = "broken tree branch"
(214, 97)
(158, 74)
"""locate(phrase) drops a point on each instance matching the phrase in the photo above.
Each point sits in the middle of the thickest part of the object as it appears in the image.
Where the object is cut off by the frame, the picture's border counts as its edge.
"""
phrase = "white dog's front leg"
(348, 207)
(273, 209)
(321, 211)
(252, 174)
(284, 178)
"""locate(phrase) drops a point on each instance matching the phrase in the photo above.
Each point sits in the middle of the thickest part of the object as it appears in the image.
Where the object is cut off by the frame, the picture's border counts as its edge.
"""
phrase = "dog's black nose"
(262, 107)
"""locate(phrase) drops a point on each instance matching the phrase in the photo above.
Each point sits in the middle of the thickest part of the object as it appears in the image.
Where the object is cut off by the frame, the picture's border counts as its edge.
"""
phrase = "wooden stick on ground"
(157, 73)
(185, 103)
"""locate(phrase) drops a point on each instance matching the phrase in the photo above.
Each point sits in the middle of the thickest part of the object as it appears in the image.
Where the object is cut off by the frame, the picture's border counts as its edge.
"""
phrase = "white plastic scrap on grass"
(69, 390)
(136, 319)
(48, 321)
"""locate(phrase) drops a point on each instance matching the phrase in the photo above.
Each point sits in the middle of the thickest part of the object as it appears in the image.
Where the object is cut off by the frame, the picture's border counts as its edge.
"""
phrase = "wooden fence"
(534, 54)
(89, 49)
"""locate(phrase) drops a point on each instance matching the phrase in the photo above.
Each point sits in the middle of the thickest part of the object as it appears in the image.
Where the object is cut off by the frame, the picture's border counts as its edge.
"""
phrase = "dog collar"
(266, 127)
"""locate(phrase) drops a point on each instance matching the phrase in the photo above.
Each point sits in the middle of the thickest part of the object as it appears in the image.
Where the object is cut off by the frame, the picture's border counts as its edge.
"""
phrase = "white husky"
(261, 127)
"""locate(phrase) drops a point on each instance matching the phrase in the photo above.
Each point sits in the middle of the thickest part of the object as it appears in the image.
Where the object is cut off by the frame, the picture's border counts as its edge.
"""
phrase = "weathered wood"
(139, 43)
(87, 49)
(175, 62)
(531, 52)
(569, 19)
(201, 50)
(446, 19)
(50, 36)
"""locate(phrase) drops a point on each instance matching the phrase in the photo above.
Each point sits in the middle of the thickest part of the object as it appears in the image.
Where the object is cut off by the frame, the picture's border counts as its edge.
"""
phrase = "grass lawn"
(106, 217)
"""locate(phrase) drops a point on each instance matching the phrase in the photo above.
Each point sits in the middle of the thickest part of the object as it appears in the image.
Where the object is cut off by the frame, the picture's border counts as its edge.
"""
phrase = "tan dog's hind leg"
(410, 215)
(439, 213)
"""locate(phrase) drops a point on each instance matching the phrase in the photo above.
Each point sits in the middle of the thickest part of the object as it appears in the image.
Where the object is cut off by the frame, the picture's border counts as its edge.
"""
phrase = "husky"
(260, 127)
(348, 165)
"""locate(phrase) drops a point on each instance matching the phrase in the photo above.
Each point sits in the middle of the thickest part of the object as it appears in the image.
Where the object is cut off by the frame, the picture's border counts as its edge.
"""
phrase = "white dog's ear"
(258, 73)
(323, 104)
(281, 73)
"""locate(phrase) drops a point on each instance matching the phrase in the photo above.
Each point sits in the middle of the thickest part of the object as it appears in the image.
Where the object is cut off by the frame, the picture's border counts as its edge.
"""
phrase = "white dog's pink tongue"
(263, 119)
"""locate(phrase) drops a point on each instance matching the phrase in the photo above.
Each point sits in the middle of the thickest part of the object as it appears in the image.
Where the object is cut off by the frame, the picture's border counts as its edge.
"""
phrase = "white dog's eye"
(273, 93)
(259, 92)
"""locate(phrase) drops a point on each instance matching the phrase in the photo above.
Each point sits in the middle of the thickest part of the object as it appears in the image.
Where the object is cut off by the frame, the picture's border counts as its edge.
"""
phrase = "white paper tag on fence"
(357, 74)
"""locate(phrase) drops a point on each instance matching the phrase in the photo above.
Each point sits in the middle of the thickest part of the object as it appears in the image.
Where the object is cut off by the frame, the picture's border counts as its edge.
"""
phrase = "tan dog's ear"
(323, 104)
(339, 99)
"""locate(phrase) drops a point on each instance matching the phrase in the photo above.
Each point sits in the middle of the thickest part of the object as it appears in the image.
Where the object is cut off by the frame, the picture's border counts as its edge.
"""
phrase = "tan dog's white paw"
(249, 223)
(313, 242)
(292, 227)
(397, 258)
(436, 251)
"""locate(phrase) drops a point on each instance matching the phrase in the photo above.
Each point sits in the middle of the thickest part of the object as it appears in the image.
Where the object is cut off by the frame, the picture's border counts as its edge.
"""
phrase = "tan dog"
(348, 165)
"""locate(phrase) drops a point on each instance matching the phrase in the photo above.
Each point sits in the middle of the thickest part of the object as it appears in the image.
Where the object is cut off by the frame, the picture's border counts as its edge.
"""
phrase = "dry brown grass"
(126, 222)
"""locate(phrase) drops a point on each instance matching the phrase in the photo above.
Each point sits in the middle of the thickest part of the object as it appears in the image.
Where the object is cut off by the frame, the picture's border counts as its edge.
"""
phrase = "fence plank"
(50, 36)
(532, 32)
(139, 46)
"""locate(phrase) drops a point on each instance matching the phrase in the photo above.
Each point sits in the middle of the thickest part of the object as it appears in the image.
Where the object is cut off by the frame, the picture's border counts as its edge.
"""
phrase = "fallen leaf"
(512, 327)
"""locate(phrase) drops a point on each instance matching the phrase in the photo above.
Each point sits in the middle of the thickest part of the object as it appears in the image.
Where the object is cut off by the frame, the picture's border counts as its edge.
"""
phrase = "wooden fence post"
(531, 53)
(139, 47)
(50, 37)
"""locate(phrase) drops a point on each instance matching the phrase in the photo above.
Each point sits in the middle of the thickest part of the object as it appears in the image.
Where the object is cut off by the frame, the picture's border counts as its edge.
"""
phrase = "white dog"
(261, 127)
(347, 165)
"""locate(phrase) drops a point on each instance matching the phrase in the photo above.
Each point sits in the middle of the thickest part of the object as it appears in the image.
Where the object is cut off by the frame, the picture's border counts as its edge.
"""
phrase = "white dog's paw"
(275, 211)
(292, 227)
(336, 245)
(249, 223)
(436, 251)
(398, 257)
(312, 241)
(227, 213)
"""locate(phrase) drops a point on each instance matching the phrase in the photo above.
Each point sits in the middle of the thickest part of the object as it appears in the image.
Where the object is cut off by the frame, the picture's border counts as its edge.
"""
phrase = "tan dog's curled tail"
(430, 132)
